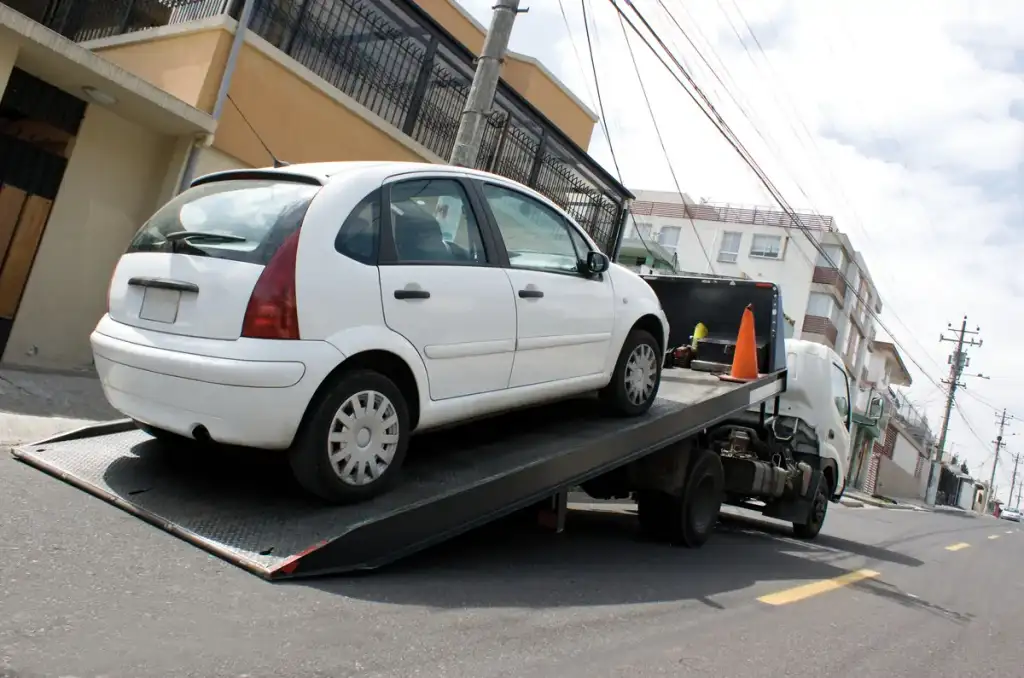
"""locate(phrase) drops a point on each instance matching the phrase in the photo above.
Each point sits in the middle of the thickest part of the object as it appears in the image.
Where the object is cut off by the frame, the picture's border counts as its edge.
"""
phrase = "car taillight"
(272, 312)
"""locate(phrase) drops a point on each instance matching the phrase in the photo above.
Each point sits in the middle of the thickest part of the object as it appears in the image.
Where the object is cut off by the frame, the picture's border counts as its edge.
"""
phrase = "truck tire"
(700, 501)
(373, 464)
(688, 518)
(816, 515)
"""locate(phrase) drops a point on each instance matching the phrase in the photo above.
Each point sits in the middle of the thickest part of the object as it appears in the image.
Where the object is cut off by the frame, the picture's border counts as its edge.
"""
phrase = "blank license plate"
(159, 305)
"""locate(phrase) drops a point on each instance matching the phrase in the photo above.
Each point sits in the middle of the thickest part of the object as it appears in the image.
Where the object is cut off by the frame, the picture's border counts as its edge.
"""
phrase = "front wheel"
(637, 375)
(816, 517)
(352, 446)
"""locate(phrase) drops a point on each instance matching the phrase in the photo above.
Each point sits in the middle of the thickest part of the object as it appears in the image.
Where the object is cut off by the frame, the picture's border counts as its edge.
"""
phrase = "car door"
(564, 317)
(440, 289)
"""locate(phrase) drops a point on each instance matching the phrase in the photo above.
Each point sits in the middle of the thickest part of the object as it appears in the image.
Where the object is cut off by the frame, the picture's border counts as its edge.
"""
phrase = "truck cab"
(818, 397)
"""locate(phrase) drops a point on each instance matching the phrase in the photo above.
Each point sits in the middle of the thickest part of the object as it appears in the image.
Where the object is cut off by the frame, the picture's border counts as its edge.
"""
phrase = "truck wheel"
(816, 519)
(352, 445)
(700, 501)
(637, 375)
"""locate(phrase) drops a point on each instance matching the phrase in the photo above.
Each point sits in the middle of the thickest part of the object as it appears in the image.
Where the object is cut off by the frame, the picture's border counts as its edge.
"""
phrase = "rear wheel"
(688, 518)
(637, 374)
(352, 446)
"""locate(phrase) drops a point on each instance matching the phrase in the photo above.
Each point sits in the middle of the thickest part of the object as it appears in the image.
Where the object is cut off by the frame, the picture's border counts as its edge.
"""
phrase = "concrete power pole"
(958, 360)
(485, 83)
(1013, 481)
(995, 462)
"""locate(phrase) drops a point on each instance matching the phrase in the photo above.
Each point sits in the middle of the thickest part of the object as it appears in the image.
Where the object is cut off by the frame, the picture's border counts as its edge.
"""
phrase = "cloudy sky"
(905, 121)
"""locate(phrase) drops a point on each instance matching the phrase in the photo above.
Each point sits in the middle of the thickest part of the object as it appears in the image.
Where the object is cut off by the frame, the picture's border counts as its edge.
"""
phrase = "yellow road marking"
(958, 547)
(817, 588)
(993, 536)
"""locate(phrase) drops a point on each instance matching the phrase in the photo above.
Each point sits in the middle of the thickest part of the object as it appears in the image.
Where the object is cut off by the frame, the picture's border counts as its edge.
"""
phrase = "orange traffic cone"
(744, 363)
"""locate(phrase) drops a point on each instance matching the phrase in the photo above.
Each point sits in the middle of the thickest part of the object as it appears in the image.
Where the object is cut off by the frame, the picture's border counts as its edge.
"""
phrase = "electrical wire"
(604, 123)
(664, 148)
(715, 117)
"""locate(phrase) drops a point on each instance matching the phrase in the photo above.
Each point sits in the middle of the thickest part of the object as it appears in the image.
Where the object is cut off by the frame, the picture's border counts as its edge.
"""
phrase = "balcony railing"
(826, 275)
(394, 59)
(755, 216)
(816, 324)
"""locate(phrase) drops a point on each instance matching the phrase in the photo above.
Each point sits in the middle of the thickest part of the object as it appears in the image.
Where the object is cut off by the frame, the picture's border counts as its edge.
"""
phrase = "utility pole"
(995, 462)
(958, 360)
(1013, 480)
(485, 83)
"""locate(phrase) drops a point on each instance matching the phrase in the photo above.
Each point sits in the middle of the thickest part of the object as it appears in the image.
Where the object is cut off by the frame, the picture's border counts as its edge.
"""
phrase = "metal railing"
(755, 216)
(395, 60)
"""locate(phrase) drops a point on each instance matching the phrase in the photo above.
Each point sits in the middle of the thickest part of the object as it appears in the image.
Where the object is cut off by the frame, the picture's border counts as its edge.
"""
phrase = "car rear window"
(238, 219)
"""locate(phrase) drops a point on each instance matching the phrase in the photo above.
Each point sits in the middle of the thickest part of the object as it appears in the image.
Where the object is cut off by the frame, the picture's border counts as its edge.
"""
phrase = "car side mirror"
(843, 404)
(597, 262)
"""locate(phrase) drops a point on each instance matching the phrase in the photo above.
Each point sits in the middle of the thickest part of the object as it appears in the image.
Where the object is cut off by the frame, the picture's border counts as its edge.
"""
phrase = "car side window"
(535, 236)
(433, 223)
(582, 247)
(359, 236)
(841, 393)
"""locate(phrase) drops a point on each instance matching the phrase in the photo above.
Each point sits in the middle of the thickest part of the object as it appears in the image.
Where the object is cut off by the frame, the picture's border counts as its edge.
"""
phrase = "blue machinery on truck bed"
(454, 480)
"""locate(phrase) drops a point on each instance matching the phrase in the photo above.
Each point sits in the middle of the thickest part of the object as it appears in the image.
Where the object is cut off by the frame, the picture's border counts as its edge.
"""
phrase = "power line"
(716, 119)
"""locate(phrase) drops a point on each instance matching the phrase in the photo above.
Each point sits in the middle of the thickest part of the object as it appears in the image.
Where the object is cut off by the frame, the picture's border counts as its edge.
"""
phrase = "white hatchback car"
(331, 309)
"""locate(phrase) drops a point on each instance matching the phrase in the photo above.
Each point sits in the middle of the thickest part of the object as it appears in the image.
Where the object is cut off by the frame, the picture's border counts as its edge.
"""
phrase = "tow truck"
(707, 440)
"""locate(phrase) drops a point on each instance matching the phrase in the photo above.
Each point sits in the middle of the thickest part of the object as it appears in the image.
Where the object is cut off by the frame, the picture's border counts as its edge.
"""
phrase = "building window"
(835, 257)
(642, 229)
(766, 246)
(820, 305)
(668, 237)
(730, 249)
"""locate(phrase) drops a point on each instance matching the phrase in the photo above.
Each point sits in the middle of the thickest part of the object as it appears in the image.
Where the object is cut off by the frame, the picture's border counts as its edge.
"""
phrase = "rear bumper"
(254, 403)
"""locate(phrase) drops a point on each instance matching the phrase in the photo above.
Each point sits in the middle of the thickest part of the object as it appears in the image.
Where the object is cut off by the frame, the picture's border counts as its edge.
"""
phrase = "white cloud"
(894, 118)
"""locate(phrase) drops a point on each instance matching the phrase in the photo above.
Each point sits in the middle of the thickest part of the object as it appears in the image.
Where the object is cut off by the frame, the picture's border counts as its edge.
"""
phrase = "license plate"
(160, 305)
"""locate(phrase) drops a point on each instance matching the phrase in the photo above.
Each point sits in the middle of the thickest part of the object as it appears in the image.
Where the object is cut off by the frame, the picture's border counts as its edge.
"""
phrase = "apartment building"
(766, 244)
(107, 106)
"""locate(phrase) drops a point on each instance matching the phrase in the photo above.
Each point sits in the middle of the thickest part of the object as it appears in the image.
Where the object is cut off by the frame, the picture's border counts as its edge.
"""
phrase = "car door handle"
(530, 294)
(412, 294)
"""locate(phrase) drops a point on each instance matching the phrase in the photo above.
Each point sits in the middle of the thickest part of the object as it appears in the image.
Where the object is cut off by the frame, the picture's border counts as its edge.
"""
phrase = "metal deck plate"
(243, 506)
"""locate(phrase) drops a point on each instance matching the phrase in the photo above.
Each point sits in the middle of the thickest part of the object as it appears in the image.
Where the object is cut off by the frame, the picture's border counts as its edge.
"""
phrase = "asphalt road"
(86, 591)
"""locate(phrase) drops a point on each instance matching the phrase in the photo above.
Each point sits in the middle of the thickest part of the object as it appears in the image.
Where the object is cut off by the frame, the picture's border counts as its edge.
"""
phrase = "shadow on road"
(599, 560)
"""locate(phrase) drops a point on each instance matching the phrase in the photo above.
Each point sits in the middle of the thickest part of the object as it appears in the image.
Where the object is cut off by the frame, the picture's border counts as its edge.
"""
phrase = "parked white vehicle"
(332, 309)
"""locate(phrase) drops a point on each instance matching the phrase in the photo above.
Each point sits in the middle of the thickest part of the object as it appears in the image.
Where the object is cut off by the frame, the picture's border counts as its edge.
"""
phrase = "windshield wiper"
(208, 236)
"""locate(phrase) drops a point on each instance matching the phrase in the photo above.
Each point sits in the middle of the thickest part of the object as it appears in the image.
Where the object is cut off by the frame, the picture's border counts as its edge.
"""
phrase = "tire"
(816, 519)
(370, 470)
(701, 501)
(630, 396)
(688, 519)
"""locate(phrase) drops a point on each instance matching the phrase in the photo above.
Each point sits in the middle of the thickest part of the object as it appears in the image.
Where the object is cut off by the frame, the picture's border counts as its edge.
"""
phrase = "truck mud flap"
(796, 509)
(242, 506)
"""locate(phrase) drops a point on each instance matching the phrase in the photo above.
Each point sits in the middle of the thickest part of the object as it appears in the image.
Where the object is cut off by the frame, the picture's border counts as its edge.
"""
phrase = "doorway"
(38, 126)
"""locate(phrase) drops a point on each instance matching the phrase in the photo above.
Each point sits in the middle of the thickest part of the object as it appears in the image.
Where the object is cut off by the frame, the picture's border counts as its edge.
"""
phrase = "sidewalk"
(36, 405)
(856, 499)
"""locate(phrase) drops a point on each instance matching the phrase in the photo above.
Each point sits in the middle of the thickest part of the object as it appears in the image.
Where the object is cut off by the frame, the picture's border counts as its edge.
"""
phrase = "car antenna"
(277, 162)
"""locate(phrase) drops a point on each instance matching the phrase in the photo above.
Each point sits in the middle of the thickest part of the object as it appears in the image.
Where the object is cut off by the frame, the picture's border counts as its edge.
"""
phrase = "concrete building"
(106, 104)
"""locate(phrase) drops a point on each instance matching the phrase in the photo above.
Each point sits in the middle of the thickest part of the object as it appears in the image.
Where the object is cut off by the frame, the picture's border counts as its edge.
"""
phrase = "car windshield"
(239, 219)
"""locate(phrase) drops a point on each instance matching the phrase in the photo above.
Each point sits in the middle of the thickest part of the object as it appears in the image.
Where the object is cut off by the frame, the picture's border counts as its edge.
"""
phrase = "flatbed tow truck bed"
(241, 507)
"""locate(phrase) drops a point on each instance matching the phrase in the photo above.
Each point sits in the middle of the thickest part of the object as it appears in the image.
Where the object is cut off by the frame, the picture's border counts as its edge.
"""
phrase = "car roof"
(332, 171)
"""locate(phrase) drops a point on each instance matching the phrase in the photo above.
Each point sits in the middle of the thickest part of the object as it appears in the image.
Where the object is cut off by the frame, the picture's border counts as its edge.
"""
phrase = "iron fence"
(396, 61)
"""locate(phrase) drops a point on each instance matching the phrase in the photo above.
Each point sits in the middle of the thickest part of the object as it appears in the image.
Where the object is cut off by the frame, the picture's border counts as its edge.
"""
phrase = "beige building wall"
(114, 180)
(211, 160)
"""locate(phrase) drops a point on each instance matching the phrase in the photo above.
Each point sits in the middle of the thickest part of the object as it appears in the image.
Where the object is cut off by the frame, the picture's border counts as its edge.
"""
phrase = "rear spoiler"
(279, 174)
